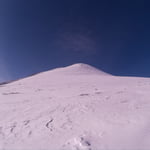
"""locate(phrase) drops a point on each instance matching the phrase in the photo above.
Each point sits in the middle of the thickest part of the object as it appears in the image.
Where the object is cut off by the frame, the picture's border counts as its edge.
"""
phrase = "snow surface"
(75, 108)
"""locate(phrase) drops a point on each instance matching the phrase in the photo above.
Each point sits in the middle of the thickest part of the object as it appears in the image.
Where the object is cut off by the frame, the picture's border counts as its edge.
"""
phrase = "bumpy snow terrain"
(75, 108)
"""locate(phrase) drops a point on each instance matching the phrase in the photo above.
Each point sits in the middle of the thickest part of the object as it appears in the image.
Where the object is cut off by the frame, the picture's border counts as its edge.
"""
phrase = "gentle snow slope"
(75, 108)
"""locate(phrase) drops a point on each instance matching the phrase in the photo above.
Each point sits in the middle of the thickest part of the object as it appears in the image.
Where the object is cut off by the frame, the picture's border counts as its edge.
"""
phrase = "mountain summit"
(78, 69)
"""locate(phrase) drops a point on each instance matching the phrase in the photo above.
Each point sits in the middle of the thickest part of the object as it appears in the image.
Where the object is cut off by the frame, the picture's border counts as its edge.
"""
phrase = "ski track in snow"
(69, 108)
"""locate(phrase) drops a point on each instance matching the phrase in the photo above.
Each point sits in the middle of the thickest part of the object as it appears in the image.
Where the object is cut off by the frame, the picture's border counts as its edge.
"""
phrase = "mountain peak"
(78, 69)
(80, 65)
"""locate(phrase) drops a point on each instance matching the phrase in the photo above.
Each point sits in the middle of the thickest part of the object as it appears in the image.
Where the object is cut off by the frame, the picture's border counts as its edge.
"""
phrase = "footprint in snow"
(79, 143)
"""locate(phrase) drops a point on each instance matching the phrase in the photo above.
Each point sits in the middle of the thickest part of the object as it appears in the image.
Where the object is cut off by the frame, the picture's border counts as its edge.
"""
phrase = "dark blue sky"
(38, 35)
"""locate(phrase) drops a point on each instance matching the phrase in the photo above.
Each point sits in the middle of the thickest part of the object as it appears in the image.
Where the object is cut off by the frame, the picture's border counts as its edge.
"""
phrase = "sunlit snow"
(75, 108)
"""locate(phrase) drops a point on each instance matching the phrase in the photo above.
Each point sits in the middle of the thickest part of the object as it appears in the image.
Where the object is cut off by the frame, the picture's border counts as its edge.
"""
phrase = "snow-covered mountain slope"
(75, 108)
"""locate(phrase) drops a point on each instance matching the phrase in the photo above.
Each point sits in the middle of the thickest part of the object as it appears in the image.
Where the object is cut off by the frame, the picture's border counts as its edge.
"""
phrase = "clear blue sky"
(38, 35)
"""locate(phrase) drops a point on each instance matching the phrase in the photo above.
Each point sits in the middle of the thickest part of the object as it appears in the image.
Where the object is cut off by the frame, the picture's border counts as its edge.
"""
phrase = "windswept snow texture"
(75, 108)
